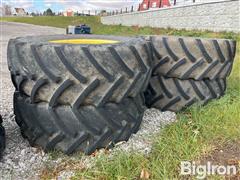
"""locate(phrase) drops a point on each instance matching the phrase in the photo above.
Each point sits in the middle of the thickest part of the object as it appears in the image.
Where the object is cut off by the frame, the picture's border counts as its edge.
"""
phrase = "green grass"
(98, 28)
(197, 131)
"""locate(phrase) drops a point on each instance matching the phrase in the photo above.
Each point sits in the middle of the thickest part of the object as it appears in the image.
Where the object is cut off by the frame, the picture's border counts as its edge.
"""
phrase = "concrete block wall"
(213, 16)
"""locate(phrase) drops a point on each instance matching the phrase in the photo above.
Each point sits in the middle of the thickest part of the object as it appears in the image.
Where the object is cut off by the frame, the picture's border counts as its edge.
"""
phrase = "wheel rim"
(84, 41)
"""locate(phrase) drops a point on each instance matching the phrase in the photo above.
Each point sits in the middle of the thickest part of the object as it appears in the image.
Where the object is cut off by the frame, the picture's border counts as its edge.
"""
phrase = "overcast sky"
(76, 5)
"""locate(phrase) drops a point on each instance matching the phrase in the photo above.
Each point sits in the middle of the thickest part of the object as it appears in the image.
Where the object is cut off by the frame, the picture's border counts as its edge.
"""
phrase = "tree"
(102, 13)
(6, 10)
(48, 12)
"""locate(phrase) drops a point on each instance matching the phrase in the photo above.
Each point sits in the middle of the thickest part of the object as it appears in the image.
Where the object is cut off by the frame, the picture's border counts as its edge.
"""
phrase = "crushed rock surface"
(20, 160)
(153, 121)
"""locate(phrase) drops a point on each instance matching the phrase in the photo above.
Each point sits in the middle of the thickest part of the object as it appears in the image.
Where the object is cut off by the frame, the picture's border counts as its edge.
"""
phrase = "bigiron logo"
(202, 171)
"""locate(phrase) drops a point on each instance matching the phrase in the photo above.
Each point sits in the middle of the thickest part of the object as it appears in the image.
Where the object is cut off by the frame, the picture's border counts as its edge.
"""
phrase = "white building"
(19, 12)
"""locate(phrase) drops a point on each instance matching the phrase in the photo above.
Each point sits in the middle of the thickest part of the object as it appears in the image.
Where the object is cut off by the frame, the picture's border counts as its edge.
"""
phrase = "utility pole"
(175, 1)
(160, 4)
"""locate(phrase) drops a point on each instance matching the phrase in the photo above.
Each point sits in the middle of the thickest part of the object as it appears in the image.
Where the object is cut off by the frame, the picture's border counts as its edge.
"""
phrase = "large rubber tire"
(84, 129)
(2, 138)
(192, 58)
(174, 95)
(79, 74)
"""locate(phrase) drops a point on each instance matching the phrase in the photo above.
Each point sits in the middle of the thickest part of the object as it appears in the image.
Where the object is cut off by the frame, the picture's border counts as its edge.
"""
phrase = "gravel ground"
(153, 121)
(21, 161)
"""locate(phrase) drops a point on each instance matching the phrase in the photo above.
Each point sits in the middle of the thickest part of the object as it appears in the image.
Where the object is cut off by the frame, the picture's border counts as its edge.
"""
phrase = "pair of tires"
(76, 92)
(188, 71)
(79, 92)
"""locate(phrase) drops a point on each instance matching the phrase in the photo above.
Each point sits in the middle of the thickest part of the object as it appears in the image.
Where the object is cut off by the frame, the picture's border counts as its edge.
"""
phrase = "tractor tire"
(2, 138)
(172, 94)
(79, 74)
(84, 129)
(192, 58)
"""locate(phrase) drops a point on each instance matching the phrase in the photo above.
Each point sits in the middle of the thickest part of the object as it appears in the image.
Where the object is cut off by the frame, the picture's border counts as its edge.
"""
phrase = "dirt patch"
(225, 155)
(228, 154)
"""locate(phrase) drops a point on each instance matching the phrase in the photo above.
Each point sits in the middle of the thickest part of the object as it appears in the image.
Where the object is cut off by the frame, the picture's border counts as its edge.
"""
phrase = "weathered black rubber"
(2, 138)
(79, 74)
(71, 129)
(174, 95)
(192, 58)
